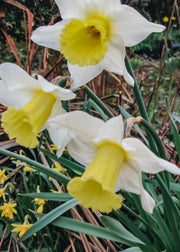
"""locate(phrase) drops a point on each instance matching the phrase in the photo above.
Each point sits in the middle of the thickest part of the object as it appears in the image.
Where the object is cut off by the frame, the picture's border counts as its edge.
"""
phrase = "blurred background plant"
(156, 63)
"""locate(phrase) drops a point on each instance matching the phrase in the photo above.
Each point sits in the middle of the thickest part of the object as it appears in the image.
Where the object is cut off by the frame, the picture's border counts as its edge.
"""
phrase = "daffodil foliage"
(82, 159)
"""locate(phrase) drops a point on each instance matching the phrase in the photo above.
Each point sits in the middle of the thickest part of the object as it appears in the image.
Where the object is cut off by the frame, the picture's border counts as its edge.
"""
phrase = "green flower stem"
(98, 101)
(38, 166)
(155, 136)
(159, 145)
(140, 103)
(136, 91)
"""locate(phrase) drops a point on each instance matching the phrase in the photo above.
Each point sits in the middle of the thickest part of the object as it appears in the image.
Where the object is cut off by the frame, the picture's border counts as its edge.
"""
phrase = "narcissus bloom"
(8, 209)
(112, 163)
(93, 36)
(22, 228)
(2, 193)
(3, 177)
(31, 103)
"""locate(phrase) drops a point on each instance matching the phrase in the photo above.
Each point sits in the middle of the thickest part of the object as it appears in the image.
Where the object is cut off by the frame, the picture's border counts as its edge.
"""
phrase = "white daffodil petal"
(130, 179)
(112, 130)
(49, 35)
(61, 93)
(15, 99)
(60, 138)
(132, 26)
(147, 201)
(147, 160)
(128, 78)
(82, 149)
(82, 75)
(16, 79)
(114, 59)
(70, 8)
(79, 122)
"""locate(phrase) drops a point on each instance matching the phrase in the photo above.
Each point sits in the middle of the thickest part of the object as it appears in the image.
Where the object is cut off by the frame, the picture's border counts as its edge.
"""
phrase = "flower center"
(25, 123)
(95, 188)
(85, 42)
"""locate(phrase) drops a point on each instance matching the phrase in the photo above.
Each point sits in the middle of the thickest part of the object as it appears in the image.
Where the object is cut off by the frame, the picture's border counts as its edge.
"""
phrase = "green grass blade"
(115, 226)
(48, 218)
(174, 129)
(97, 100)
(133, 249)
(175, 187)
(90, 229)
(38, 166)
(49, 196)
(97, 108)
(64, 161)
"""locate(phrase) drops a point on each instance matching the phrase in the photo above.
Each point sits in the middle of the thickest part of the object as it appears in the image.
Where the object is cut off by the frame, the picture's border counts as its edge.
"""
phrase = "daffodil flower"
(93, 36)
(112, 163)
(31, 103)
(8, 209)
(2, 193)
(3, 177)
(22, 228)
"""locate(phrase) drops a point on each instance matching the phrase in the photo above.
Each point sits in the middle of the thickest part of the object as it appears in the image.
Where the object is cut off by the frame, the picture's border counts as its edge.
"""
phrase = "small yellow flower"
(54, 147)
(53, 191)
(57, 167)
(173, 18)
(155, 21)
(163, 113)
(40, 209)
(8, 210)
(2, 193)
(22, 228)
(39, 201)
(165, 19)
(3, 177)
(28, 169)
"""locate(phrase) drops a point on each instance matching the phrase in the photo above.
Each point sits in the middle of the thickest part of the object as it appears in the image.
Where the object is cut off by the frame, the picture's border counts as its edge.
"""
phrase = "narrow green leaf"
(49, 196)
(166, 235)
(131, 225)
(133, 249)
(71, 165)
(98, 109)
(90, 229)
(115, 226)
(97, 100)
(176, 117)
(48, 218)
(147, 248)
(64, 161)
(175, 187)
(174, 128)
(171, 212)
(38, 166)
